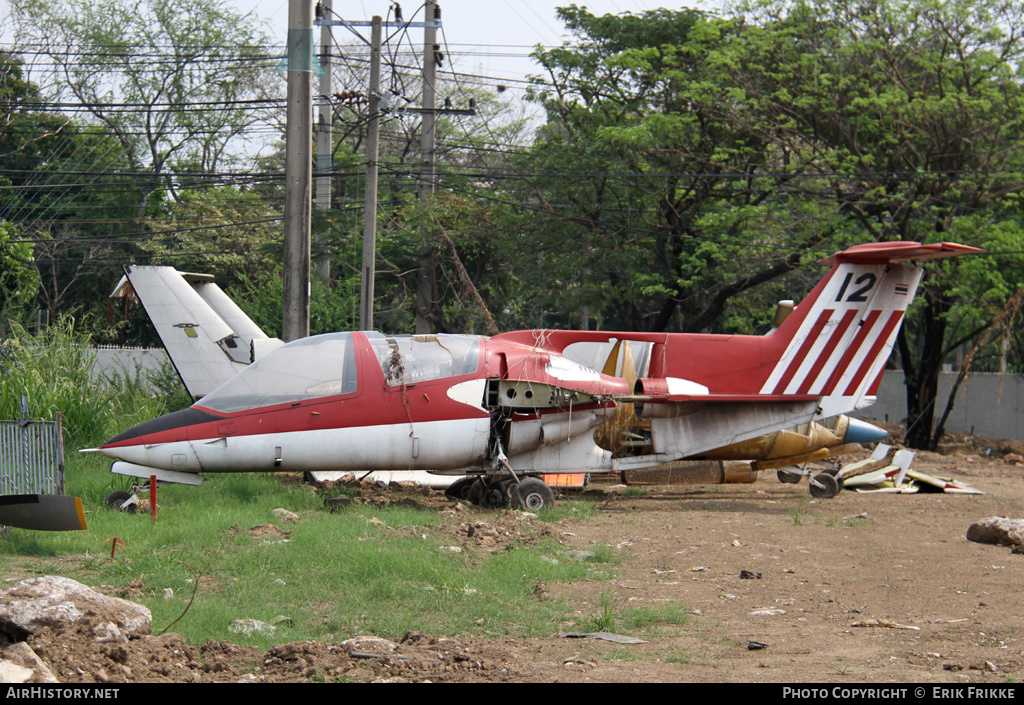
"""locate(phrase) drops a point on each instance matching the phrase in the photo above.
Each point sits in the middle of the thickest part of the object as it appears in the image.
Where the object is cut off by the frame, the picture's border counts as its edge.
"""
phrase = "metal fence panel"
(31, 457)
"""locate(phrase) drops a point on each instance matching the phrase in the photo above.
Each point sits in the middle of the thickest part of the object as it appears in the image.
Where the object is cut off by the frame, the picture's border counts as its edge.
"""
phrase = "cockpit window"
(418, 358)
(319, 366)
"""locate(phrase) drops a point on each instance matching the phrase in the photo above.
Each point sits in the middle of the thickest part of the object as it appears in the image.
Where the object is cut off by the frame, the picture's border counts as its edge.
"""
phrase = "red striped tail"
(842, 335)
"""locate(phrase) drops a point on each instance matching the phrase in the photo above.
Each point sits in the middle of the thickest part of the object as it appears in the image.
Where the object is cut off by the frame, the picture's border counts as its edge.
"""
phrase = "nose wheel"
(824, 485)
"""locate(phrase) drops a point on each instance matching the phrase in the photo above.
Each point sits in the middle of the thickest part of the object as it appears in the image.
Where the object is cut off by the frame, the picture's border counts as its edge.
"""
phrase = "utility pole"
(370, 210)
(430, 25)
(428, 140)
(298, 171)
(428, 130)
(324, 148)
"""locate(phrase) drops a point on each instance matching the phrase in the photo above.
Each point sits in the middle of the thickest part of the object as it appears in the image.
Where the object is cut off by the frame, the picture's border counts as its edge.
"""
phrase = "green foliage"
(332, 307)
(675, 207)
(18, 281)
(238, 237)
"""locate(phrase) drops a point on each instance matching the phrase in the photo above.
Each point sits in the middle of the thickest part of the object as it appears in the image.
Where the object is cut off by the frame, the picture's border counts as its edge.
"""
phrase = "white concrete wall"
(129, 362)
(987, 403)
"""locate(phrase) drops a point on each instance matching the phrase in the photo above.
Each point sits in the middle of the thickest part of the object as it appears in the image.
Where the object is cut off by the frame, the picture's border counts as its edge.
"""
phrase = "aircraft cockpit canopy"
(418, 358)
(318, 366)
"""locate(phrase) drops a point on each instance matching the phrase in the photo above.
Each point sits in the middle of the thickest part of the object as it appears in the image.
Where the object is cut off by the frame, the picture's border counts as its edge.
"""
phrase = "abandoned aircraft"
(503, 410)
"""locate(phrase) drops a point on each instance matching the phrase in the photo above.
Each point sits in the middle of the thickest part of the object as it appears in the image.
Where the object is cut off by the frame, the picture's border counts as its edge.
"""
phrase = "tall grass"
(57, 372)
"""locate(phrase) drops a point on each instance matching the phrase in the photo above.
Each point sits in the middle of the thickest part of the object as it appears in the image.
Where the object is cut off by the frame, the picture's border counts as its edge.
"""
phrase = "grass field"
(366, 569)
(380, 570)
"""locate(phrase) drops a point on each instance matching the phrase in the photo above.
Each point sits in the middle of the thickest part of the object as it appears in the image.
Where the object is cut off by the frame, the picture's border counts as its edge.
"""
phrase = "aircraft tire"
(829, 486)
(788, 476)
(835, 473)
(115, 499)
(532, 495)
(460, 488)
(495, 495)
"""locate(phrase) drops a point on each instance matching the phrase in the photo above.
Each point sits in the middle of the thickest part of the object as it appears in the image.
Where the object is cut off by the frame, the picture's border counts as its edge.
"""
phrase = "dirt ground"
(779, 587)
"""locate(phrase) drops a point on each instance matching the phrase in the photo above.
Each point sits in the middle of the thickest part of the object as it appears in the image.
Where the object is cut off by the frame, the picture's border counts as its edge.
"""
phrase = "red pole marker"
(152, 498)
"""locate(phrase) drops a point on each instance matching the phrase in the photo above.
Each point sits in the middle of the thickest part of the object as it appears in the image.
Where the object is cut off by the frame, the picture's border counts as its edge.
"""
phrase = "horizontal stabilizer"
(42, 512)
(886, 252)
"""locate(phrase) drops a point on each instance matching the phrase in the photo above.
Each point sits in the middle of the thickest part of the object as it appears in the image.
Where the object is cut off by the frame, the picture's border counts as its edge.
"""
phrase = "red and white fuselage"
(529, 401)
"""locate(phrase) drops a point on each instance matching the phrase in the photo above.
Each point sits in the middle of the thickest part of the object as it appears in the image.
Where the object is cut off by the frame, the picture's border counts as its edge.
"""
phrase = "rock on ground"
(998, 530)
(55, 602)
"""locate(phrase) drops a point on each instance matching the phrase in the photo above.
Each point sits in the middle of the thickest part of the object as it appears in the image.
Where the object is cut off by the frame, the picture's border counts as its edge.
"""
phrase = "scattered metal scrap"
(604, 636)
(888, 471)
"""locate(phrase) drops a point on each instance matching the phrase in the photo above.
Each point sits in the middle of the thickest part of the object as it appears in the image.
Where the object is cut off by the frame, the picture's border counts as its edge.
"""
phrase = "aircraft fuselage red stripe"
(375, 403)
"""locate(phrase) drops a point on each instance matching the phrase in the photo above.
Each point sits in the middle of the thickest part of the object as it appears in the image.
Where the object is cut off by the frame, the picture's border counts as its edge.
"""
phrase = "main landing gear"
(824, 485)
(531, 494)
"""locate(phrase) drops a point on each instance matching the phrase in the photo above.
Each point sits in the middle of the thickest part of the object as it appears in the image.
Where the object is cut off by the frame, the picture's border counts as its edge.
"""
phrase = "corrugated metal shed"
(31, 457)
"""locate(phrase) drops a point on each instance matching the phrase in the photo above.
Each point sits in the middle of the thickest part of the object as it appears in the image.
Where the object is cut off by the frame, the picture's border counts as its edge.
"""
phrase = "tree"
(233, 234)
(20, 128)
(912, 117)
(174, 81)
(18, 282)
(675, 209)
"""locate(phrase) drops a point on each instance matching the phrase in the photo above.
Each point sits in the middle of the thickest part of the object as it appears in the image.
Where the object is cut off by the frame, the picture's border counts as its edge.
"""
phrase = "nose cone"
(163, 429)
(863, 432)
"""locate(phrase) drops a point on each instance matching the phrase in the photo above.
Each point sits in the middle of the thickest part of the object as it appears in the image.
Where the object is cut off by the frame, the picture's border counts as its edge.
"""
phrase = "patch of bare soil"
(777, 586)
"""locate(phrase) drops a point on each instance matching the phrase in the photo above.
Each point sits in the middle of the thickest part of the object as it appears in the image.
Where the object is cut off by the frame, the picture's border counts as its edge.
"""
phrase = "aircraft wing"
(207, 336)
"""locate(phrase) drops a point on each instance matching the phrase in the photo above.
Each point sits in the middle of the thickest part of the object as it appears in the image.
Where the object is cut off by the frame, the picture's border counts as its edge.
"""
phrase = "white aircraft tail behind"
(208, 338)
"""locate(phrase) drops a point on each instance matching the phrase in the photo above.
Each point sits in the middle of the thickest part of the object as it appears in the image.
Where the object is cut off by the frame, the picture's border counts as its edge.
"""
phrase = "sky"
(492, 37)
(490, 40)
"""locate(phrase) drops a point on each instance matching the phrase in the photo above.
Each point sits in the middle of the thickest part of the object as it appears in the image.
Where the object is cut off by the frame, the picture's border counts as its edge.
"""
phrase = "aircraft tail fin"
(207, 336)
(839, 338)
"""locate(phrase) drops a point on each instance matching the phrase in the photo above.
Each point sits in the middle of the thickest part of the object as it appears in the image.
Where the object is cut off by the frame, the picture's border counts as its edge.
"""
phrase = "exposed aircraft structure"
(506, 409)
